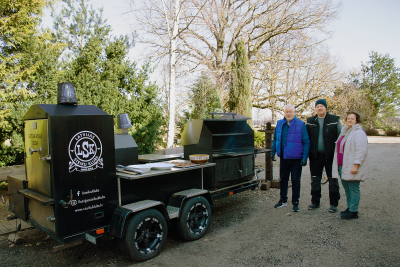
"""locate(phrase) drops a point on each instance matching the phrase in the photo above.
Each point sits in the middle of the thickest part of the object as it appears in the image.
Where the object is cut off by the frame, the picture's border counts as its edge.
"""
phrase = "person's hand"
(354, 170)
(303, 163)
(273, 156)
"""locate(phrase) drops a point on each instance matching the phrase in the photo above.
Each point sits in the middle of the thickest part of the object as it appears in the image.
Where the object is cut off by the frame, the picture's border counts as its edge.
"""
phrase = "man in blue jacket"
(292, 145)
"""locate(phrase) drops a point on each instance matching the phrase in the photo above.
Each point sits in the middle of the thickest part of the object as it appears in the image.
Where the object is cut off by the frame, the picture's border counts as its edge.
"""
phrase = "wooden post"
(268, 160)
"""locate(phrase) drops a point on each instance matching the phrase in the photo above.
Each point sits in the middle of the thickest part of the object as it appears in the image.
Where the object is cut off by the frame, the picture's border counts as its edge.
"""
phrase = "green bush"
(4, 186)
(392, 132)
(259, 139)
(372, 132)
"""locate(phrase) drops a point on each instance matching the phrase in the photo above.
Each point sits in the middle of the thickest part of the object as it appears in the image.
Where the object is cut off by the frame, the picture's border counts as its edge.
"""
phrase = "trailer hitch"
(65, 204)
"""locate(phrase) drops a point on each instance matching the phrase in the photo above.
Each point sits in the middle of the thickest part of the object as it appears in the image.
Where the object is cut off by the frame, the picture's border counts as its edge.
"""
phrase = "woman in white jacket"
(349, 162)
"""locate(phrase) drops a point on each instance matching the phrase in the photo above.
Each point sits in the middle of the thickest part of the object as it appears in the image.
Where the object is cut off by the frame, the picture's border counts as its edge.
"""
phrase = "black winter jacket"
(330, 135)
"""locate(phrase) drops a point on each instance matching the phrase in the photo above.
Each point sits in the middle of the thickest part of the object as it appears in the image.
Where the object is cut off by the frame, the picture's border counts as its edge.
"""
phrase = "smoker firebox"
(70, 168)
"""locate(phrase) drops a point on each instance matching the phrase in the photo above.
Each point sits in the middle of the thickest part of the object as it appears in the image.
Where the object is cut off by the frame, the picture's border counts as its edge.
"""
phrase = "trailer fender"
(178, 199)
(121, 214)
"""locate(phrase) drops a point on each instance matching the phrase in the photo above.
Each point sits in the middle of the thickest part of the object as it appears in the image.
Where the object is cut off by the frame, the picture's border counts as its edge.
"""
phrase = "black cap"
(322, 102)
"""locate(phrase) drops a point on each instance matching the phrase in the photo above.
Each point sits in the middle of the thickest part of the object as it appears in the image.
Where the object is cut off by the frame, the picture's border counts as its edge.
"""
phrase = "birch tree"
(160, 25)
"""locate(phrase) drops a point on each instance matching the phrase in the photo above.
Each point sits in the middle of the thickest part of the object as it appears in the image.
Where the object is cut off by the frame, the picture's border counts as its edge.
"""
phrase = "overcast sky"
(366, 25)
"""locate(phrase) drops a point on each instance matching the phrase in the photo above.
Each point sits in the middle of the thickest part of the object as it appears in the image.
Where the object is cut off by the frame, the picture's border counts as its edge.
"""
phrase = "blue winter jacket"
(291, 141)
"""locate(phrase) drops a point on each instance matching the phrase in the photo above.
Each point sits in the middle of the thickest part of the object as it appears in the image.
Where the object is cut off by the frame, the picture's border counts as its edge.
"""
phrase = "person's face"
(289, 113)
(351, 120)
(320, 110)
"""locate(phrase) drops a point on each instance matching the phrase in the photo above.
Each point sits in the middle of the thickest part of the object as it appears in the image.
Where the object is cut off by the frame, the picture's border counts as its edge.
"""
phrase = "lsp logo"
(85, 151)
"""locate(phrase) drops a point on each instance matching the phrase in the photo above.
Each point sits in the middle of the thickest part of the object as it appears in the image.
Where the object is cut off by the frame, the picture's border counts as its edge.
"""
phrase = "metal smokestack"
(66, 94)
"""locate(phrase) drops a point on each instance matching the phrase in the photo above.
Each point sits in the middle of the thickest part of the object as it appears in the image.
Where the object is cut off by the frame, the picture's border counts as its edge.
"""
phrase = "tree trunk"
(172, 69)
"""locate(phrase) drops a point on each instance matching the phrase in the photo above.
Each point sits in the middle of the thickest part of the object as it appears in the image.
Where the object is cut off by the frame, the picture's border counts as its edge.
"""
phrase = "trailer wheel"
(194, 219)
(145, 235)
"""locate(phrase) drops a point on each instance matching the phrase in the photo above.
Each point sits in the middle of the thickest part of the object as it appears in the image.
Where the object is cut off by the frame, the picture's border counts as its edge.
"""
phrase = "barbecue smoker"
(72, 190)
(229, 141)
(70, 165)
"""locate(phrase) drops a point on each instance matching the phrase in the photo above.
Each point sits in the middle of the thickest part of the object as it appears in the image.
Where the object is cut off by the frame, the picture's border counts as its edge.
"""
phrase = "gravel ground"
(247, 231)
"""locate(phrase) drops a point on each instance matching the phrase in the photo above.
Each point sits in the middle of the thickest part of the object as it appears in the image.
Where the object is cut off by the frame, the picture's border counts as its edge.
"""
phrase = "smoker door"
(247, 165)
(227, 169)
(38, 171)
(36, 151)
(233, 168)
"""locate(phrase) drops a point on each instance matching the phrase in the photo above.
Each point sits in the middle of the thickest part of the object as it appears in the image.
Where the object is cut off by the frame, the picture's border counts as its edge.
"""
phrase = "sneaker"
(313, 206)
(333, 209)
(280, 204)
(349, 215)
(345, 211)
(296, 208)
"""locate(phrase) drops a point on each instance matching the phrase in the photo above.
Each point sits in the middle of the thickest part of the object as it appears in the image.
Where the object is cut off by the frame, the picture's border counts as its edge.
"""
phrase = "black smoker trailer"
(72, 191)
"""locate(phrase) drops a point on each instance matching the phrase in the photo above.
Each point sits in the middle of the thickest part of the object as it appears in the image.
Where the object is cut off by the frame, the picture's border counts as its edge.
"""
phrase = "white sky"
(363, 26)
(366, 25)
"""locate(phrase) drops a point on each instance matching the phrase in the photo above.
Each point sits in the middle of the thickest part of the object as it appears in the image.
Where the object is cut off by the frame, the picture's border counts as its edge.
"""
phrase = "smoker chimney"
(66, 94)
(123, 123)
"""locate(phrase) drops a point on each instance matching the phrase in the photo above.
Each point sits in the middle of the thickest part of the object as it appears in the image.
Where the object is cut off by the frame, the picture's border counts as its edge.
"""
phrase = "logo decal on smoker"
(85, 152)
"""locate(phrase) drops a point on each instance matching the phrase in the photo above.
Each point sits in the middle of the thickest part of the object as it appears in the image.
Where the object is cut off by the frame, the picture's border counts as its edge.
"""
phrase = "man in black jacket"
(323, 130)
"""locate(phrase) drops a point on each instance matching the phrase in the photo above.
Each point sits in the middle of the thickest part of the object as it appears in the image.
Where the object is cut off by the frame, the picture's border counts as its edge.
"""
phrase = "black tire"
(194, 219)
(145, 235)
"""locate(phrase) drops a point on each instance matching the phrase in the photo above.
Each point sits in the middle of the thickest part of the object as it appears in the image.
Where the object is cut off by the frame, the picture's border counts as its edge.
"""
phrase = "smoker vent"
(66, 94)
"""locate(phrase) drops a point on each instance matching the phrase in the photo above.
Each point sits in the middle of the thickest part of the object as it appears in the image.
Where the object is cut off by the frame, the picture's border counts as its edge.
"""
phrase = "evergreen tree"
(102, 76)
(204, 98)
(240, 91)
(76, 22)
(18, 22)
(381, 82)
(26, 59)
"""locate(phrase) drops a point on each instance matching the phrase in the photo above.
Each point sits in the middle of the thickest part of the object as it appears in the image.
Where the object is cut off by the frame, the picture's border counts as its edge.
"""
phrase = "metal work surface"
(29, 193)
(156, 158)
(161, 172)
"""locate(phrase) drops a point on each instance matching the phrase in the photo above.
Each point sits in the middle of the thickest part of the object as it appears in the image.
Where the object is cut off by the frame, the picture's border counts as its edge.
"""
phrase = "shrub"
(259, 139)
(372, 132)
(392, 132)
(4, 186)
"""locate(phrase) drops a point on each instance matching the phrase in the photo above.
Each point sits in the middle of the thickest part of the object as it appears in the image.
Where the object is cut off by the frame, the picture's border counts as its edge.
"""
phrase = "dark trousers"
(290, 167)
(316, 167)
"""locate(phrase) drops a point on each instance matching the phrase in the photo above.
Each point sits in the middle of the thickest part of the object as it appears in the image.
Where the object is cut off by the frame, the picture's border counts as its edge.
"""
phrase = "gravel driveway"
(247, 231)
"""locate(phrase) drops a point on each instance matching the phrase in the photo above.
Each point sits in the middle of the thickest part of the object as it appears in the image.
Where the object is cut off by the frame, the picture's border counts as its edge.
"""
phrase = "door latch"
(47, 158)
(31, 150)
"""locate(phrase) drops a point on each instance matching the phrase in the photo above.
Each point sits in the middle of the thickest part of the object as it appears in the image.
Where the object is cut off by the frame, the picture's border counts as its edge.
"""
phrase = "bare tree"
(293, 69)
(210, 40)
(162, 21)
(348, 96)
(208, 31)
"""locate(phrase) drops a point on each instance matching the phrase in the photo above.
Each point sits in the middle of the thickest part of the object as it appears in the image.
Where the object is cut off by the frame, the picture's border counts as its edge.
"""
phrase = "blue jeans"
(290, 167)
(352, 190)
